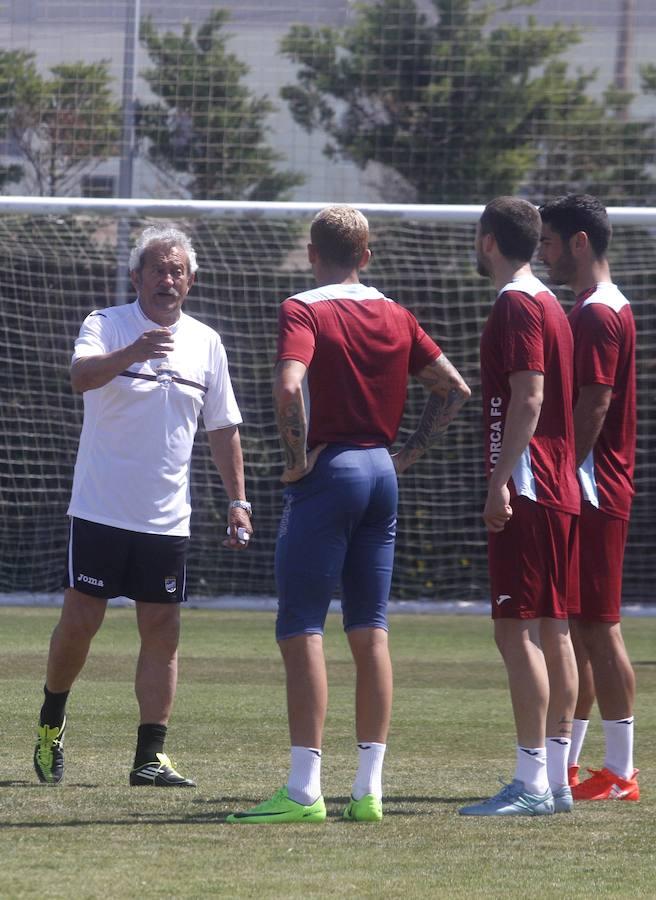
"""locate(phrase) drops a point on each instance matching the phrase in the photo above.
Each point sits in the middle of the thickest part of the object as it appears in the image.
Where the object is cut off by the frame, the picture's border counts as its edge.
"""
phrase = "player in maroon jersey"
(357, 349)
(576, 233)
(531, 507)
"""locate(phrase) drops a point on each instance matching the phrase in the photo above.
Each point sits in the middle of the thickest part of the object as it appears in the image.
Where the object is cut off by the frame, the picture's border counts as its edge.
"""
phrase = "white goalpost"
(216, 209)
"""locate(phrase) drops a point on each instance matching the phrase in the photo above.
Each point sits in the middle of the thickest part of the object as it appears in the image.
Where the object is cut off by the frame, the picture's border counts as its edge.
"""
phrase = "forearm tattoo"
(441, 408)
(437, 414)
(292, 429)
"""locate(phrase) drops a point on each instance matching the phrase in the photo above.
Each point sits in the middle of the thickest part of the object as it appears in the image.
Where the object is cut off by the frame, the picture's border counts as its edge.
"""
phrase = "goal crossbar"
(134, 207)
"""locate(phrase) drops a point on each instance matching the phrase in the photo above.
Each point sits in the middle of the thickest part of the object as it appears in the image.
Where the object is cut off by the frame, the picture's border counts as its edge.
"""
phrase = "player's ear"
(135, 278)
(312, 254)
(365, 259)
(579, 242)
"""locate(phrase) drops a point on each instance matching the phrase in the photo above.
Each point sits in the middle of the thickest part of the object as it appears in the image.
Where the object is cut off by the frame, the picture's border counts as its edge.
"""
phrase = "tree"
(207, 125)
(460, 109)
(597, 149)
(648, 74)
(16, 68)
(61, 125)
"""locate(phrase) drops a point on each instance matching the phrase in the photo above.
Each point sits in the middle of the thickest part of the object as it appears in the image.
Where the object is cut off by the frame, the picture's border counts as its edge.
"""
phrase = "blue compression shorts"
(338, 525)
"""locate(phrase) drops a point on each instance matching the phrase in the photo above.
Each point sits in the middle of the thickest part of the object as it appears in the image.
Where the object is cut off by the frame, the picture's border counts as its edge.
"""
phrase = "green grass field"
(452, 735)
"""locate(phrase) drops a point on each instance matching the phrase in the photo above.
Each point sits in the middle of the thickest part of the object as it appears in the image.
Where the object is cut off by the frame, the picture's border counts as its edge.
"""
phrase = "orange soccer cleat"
(573, 775)
(605, 785)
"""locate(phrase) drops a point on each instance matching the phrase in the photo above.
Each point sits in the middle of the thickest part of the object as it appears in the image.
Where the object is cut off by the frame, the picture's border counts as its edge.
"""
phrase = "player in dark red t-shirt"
(531, 508)
(575, 237)
(338, 523)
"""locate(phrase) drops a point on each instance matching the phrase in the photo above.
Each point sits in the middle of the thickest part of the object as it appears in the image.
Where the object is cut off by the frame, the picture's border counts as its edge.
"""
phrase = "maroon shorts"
(602, 539)
(533, 564)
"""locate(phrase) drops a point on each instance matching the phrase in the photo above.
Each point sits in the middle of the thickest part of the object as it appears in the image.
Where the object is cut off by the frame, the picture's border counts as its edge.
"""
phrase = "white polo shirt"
(132, 468)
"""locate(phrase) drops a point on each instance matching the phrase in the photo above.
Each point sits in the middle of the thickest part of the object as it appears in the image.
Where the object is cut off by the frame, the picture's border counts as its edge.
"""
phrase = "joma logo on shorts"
(87, 579)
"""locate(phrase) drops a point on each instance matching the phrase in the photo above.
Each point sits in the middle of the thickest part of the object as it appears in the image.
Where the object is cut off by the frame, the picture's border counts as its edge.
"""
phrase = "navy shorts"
(338, 525)
(105, 562)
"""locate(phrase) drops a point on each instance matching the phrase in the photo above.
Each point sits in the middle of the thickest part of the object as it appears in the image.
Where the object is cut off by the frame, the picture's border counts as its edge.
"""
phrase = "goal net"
(61, 262)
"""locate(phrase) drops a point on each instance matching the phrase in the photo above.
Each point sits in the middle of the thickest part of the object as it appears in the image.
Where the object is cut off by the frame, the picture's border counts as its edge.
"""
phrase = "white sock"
(557, 760)
(619, 746)
(369, 777)
(304, 784)
(532, 769)
(579, 729)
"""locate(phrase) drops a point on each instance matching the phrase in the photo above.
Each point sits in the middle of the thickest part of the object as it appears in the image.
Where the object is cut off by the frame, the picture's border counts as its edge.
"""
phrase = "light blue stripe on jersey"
(586, 473)
(523, 476)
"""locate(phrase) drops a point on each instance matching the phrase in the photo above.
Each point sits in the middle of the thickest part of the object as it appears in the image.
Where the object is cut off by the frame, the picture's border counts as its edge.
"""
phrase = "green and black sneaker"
(159, 773)
(281, 809)
(49, 753)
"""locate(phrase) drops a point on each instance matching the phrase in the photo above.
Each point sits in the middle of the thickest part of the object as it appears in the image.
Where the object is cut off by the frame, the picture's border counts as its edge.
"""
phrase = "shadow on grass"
(237, 800)
(228, 804)
(44, 787)
(137, 819)
(393, 805)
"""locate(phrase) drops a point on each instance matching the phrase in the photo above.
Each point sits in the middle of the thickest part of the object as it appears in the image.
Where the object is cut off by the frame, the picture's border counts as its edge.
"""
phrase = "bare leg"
(586, 698)
(157, 666)
(614, 678)
(518, 643)
(563, 677)
(307, 688)
(373, 694)
(80, 619)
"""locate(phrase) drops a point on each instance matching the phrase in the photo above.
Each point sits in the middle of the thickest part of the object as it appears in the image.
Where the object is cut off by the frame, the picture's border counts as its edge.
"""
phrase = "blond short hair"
(340, 235)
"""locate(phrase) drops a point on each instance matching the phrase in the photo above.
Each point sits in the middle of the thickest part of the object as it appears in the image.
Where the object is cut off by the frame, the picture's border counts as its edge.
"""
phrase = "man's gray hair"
(161, 234)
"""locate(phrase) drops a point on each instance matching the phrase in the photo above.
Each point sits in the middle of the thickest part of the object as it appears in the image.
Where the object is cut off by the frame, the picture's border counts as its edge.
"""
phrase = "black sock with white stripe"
(150, 742)
(53, 709)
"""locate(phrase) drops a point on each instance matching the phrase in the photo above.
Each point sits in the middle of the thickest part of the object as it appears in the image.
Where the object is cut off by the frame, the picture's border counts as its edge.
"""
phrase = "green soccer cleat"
(49, 753)
(280, 808)
(159, 773)
(366, 809)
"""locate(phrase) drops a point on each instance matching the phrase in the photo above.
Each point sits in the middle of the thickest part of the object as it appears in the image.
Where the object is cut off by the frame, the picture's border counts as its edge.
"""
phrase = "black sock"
(53, 709)
(150, 741)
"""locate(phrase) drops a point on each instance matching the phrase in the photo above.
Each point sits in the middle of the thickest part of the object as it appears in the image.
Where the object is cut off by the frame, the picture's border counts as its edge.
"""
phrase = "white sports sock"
(369, 777)
(579, 729)
(619, 746)
(557, 761)
(532, 769)
(304, 784)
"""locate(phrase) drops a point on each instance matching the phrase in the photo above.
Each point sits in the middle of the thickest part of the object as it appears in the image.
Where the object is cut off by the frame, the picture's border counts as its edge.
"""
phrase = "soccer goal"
(64, 257)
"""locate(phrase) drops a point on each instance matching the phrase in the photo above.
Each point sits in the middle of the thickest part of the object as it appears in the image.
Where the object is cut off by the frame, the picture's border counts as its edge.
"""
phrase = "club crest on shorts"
(171, 584)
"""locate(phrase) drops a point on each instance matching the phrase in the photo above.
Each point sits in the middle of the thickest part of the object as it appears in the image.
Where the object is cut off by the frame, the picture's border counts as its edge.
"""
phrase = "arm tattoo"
(447, 394)
(437, 415)
(292, 429)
